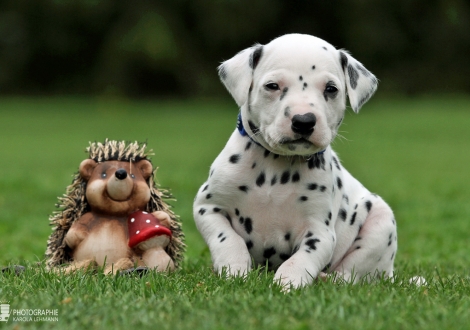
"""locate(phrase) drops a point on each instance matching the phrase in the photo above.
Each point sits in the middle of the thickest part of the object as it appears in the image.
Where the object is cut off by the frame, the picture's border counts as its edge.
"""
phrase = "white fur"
(280, 203)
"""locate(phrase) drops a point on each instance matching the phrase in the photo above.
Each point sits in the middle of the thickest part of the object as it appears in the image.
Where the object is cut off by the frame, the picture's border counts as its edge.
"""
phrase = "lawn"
(413, 152)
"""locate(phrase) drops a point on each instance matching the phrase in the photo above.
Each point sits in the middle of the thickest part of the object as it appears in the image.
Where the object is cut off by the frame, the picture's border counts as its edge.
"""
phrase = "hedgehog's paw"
(121, 264)
(85, 265)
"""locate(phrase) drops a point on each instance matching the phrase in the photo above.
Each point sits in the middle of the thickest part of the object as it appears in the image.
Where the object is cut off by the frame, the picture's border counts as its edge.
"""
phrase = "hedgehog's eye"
(103, 175)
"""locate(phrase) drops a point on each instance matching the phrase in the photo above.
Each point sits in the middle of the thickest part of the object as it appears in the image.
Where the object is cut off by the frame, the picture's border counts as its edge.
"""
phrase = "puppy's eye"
(330, 89)
(272, 87)
(103, 175)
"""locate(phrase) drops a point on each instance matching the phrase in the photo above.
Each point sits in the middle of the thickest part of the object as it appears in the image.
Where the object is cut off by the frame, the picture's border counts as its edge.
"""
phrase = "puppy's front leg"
(315, 250)
(228, 249)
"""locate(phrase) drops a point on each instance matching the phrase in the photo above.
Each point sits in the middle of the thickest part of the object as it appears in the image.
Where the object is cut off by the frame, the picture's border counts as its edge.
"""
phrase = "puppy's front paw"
(291, 275)
(233, 269)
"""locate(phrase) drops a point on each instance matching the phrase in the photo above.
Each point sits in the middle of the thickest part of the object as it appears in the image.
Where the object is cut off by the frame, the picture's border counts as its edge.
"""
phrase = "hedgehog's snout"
(120, 186)
(121, 174)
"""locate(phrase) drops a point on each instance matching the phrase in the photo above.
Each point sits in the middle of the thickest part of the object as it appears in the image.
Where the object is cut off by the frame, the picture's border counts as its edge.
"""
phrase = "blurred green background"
(145, 48)
(74, 71)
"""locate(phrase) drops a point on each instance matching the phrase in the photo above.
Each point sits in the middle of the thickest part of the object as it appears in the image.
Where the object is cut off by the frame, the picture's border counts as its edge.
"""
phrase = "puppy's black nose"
(303, 124)
(121, 174)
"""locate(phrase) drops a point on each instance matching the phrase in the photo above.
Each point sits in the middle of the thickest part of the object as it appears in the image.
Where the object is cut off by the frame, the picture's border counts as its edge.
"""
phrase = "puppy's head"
(292, 92)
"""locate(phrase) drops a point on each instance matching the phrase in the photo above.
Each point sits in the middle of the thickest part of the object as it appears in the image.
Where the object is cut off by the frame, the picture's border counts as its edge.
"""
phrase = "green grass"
(413, 152)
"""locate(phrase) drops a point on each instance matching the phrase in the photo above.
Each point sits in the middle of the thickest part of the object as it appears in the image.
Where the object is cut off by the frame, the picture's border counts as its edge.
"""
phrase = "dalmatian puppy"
(277, 194)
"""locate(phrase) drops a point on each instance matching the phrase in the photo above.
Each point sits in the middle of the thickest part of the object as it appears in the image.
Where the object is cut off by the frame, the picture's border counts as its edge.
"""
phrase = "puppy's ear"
(361, 84)
(237, 73)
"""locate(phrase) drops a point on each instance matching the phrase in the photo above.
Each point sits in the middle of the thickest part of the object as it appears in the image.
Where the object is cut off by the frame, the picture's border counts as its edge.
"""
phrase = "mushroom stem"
(157, 258)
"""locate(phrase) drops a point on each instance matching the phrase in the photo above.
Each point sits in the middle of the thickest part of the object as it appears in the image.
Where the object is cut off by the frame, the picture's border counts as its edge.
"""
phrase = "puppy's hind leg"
(373, 251)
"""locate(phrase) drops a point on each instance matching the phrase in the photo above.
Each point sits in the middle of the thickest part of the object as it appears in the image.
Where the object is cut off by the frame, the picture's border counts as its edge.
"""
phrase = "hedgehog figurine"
(113, 215)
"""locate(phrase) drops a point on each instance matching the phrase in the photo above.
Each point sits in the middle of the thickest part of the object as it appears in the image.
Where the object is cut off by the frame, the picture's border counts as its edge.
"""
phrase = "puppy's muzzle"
(304, 124)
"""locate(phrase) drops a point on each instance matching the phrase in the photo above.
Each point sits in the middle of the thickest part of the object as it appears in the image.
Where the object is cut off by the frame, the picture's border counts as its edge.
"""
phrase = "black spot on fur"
(353, 76)
(346, 198)
(327, 268)
(269, 252)
(287, 111)
(316, 161)
(329, 215)
(242, 220)
(253, 127)
(303, 198)
(284, 92)
(243, 188)
(311, 243)
(208, 196)
(336, 163)
(273, 180)
(229, 219)
(248, 225)
(287, 236)
(358, 238)
(296, 177)
(266, 153)
(322, 188)
(249, 244)
(260, 180)
(223, 239)
(216, 209)
(393, 255)
(254, 165)
(344, 60)
(305, 86)
(324, 48)
(255, 57)
(284, 256)
(234, 158)
(205, 188)
(368, 205)
(285, 177)
(343, 214)
(309, 234)
(312, 186)
(390, 240)
(237, 212)
(202, 211)
(313, 67)
(353, 218)
(220, 235)
(248, 145)
(301, 78)
(339, 183)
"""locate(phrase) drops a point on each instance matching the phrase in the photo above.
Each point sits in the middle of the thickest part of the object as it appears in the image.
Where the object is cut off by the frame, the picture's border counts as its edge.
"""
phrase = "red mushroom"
(148, 235)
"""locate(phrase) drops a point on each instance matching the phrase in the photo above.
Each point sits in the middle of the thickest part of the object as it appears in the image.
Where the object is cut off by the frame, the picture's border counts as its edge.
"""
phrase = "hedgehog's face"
(116, 187)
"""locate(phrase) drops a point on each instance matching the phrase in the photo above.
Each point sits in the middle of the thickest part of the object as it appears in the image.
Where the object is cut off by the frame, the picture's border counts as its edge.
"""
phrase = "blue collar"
(243, 132)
